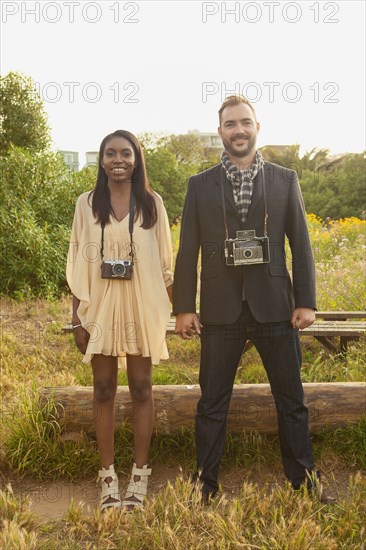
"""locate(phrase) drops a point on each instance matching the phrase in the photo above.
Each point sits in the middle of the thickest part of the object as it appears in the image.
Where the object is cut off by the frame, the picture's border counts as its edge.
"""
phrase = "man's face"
(238, 130)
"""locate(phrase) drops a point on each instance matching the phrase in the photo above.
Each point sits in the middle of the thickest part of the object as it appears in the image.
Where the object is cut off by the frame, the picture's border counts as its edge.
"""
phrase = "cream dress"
(122, 316)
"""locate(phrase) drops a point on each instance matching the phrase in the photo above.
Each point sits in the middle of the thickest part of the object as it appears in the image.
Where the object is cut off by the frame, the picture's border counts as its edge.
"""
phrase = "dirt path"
(50, 500)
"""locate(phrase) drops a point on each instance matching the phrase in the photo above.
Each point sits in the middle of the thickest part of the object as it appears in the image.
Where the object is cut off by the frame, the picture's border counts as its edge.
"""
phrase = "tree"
(337, 191)
(170, 161)
(23, 120)
(37, 202)
(314, 159)
(168, 179)
(290, 158)
(187, 148)
(190, 152)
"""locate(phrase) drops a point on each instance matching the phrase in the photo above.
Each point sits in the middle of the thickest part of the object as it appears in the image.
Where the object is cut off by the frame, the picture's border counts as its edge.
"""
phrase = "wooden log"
(252, 406)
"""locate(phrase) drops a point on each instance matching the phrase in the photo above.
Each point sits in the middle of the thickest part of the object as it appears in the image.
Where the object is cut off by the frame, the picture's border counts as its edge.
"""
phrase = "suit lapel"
(228, 192)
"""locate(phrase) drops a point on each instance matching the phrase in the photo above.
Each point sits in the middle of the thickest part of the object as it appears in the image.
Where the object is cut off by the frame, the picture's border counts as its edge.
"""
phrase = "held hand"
(302, 317)
(81, 339)
(187, 325)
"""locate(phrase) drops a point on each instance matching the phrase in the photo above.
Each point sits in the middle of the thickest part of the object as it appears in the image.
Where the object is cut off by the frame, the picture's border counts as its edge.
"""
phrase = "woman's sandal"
(109, 488)
(137, 489)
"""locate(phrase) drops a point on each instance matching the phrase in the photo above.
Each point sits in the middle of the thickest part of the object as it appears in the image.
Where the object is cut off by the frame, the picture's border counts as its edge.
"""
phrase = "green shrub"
(37, 198)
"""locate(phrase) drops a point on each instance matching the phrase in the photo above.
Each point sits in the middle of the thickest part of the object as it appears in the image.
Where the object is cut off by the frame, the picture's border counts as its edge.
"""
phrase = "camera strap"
(224, 205)
(130, 229)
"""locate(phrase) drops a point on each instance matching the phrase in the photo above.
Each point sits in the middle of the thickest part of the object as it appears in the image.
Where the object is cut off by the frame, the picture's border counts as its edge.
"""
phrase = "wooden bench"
(323, 331)
(340, 315)
(331, 324)
(345, 325)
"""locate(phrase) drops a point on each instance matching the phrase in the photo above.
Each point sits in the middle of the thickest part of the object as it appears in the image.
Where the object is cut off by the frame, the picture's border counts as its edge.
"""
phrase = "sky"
(166, 67)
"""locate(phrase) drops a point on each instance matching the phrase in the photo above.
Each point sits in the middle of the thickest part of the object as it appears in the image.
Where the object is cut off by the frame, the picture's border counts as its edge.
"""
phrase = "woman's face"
(118, 160)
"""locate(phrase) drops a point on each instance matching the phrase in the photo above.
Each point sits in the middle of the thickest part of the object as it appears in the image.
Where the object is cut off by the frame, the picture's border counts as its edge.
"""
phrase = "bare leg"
(139, 373)
(105, 387)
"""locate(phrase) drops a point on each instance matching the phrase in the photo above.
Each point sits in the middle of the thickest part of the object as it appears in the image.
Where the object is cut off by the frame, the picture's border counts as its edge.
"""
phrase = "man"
(246, 291)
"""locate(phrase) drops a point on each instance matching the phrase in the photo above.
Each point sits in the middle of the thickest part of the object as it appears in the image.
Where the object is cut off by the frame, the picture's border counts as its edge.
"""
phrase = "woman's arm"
(80, 333)
(169, 290)
(75, 306)
(164, 240)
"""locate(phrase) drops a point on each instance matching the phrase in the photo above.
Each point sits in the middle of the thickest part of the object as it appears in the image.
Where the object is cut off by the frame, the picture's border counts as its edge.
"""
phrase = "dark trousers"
(221, 349)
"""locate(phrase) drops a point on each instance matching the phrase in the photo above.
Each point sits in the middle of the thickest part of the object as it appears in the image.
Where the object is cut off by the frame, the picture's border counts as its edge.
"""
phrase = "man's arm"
(185, 274)
(303, 269)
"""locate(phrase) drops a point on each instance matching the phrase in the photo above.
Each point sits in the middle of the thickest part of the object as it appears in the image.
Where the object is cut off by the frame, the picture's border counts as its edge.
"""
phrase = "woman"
(121, 308)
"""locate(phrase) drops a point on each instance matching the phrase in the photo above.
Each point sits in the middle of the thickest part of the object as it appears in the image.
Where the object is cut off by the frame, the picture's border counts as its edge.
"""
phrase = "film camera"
(247, 249)
(116, 269)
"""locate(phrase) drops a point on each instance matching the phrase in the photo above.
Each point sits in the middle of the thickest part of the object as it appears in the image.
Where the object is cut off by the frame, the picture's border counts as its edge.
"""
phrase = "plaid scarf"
(242, 182)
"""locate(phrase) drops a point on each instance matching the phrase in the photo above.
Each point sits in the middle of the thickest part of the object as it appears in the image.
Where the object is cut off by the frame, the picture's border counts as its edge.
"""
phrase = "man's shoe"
(323, 496)
(314, 487)
(318, 492)
(199, 496)
(207, 498)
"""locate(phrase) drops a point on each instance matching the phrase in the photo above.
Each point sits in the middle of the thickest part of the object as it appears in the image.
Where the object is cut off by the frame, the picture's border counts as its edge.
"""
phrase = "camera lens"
(118, 269)
(248, 253)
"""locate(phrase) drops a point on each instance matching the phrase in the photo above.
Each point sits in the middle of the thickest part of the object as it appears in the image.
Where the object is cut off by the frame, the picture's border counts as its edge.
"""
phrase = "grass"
(35, 354)
(17, 522)
(34, 444)
(255, 518)
(349, 443)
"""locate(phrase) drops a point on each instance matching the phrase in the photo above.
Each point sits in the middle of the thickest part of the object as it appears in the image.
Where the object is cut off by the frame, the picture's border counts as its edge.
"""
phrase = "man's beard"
(242, 152)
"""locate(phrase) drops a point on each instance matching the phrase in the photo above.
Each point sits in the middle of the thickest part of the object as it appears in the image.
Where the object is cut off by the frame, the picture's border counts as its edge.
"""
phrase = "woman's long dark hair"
(144, 199)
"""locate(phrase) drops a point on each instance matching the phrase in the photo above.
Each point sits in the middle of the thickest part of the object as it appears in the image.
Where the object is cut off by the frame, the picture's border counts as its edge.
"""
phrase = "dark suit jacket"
(268, 288)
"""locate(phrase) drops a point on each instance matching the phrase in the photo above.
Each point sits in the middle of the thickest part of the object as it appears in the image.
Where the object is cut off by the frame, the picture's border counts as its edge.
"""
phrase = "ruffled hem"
(122, 357)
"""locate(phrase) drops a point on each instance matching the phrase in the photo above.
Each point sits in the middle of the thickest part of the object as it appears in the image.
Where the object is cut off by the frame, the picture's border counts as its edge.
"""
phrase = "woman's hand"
(81, 339)
(187, 325)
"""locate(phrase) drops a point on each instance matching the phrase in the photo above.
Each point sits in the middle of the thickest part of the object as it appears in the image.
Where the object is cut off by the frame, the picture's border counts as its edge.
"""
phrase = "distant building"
(71, 159)
(208, 139)
(91, 157)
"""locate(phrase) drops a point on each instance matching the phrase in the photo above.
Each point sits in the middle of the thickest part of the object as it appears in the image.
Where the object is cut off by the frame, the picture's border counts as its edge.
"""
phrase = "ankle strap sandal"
(137, 490)
(110, 488)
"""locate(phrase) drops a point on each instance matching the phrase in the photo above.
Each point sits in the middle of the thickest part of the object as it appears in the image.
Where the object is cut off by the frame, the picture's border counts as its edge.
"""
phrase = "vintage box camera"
(116, 269)
(247, 249)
